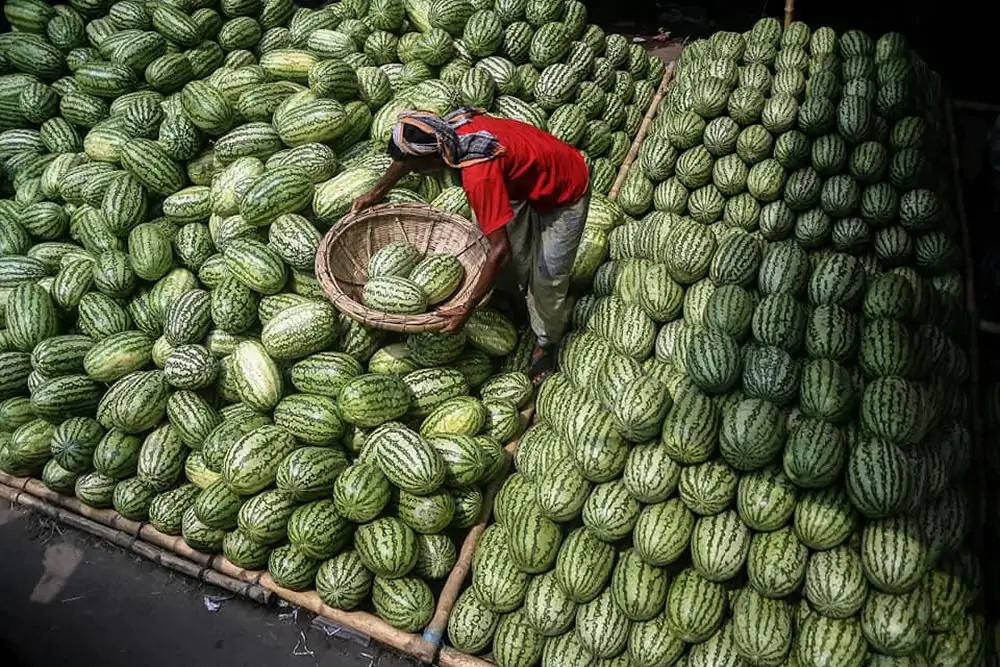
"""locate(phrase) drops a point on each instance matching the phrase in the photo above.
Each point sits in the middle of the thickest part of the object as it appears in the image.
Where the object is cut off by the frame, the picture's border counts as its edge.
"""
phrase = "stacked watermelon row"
(534, 60)
(757, 448)
(323, 488)
(168, 170)
(272, 85)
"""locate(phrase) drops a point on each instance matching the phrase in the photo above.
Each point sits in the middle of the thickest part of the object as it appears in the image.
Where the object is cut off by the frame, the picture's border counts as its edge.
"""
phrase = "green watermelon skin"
(217, 506)
(292, 569)
(408, 460)
(430, 387)
(167, 509)
(31, 316)
(324, 373)
(309, 473)
(343, 582)
(73, 442)
(371, 400)
(371, 541)
(395, 295)
(161, 459)
(406, 603)
(251, 465)
(312, 419)
(318, 530)
(242, 551)
(438, 275)
(361, 492)
(471, 625)
(264, 517)
(95, 490)
(395, 259)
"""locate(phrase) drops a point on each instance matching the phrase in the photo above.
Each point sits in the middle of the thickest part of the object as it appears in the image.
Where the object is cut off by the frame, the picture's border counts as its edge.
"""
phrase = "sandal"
(543, 365)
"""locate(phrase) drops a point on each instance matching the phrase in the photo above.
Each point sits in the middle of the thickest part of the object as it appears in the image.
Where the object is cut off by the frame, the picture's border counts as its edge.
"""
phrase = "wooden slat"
(133, 543)
(643, 130)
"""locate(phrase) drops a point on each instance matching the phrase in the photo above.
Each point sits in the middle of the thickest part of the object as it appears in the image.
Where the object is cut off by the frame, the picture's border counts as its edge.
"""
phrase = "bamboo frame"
(133, 542)
(789, 11)
(978, 440)
(173, 553)
(647, 120)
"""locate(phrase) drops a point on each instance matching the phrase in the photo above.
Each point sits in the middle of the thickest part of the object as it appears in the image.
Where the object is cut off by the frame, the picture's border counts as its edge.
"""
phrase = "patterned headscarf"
(456, 150)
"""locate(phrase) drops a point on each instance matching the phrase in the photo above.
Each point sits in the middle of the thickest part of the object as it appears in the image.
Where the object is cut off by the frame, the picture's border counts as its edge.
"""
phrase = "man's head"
(428, 142)
(428, 163)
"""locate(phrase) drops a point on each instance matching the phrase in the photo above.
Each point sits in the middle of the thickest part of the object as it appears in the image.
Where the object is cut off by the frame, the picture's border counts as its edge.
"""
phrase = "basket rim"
(330, 285)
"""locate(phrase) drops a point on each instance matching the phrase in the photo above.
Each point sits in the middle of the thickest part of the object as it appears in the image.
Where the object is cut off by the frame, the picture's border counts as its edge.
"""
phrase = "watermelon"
(387, 547)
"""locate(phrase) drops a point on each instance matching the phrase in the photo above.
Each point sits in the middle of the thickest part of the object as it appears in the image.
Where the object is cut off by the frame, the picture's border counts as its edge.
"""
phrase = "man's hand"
(365, 201)
(396, 171)
(457, 316)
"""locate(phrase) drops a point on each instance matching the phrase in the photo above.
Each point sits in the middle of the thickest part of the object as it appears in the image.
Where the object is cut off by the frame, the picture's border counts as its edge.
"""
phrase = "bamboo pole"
(222, 565)
(643, 130)
(978, 440)
(217, 571)
(361, 621)
(451, 658)
(789, 11)
(13, 482)
(257, 586)
(111, 519)
(175, 544)
(131, 541)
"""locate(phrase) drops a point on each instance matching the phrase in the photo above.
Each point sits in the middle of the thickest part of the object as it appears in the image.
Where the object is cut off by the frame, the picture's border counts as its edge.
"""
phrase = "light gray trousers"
(542, 250)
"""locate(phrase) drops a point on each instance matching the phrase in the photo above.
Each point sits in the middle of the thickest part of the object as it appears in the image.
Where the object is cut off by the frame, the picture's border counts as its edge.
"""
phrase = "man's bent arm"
(498, 254)
(397, 170)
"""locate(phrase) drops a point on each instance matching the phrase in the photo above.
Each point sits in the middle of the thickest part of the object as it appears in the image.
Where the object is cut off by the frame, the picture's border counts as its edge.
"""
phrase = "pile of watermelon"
(757, 449)
(401, 279)
(168, 170)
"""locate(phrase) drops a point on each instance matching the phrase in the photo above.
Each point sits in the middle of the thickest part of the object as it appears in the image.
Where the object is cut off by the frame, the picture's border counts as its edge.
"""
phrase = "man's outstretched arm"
(397, 170)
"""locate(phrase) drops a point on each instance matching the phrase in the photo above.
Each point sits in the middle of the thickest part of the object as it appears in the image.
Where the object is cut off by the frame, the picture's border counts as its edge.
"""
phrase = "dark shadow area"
(958, 44)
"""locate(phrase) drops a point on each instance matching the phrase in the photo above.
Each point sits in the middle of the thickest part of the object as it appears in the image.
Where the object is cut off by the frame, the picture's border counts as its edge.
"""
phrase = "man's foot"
(543, 364)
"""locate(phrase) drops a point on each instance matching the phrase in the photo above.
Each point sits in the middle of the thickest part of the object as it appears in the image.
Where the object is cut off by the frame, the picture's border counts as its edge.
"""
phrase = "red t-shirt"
(535, 167)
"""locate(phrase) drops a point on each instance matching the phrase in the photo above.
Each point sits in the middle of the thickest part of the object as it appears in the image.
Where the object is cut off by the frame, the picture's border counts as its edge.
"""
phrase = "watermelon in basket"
(391, 266)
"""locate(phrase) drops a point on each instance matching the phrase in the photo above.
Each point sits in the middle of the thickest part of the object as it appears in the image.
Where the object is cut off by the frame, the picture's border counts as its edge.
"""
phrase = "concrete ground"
(68, 598)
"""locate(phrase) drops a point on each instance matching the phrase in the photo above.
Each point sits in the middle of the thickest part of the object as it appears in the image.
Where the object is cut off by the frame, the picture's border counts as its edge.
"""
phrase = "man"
(529, 194)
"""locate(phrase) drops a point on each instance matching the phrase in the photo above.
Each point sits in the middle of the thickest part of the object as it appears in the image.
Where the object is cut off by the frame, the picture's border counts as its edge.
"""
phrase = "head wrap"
(456, 150)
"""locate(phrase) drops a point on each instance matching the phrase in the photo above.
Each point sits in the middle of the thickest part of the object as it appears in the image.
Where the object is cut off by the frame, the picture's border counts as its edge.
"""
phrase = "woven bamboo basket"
(345, 250)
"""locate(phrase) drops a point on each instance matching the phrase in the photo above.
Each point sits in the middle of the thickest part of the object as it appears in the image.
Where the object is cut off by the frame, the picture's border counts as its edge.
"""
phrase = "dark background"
(956, 39)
